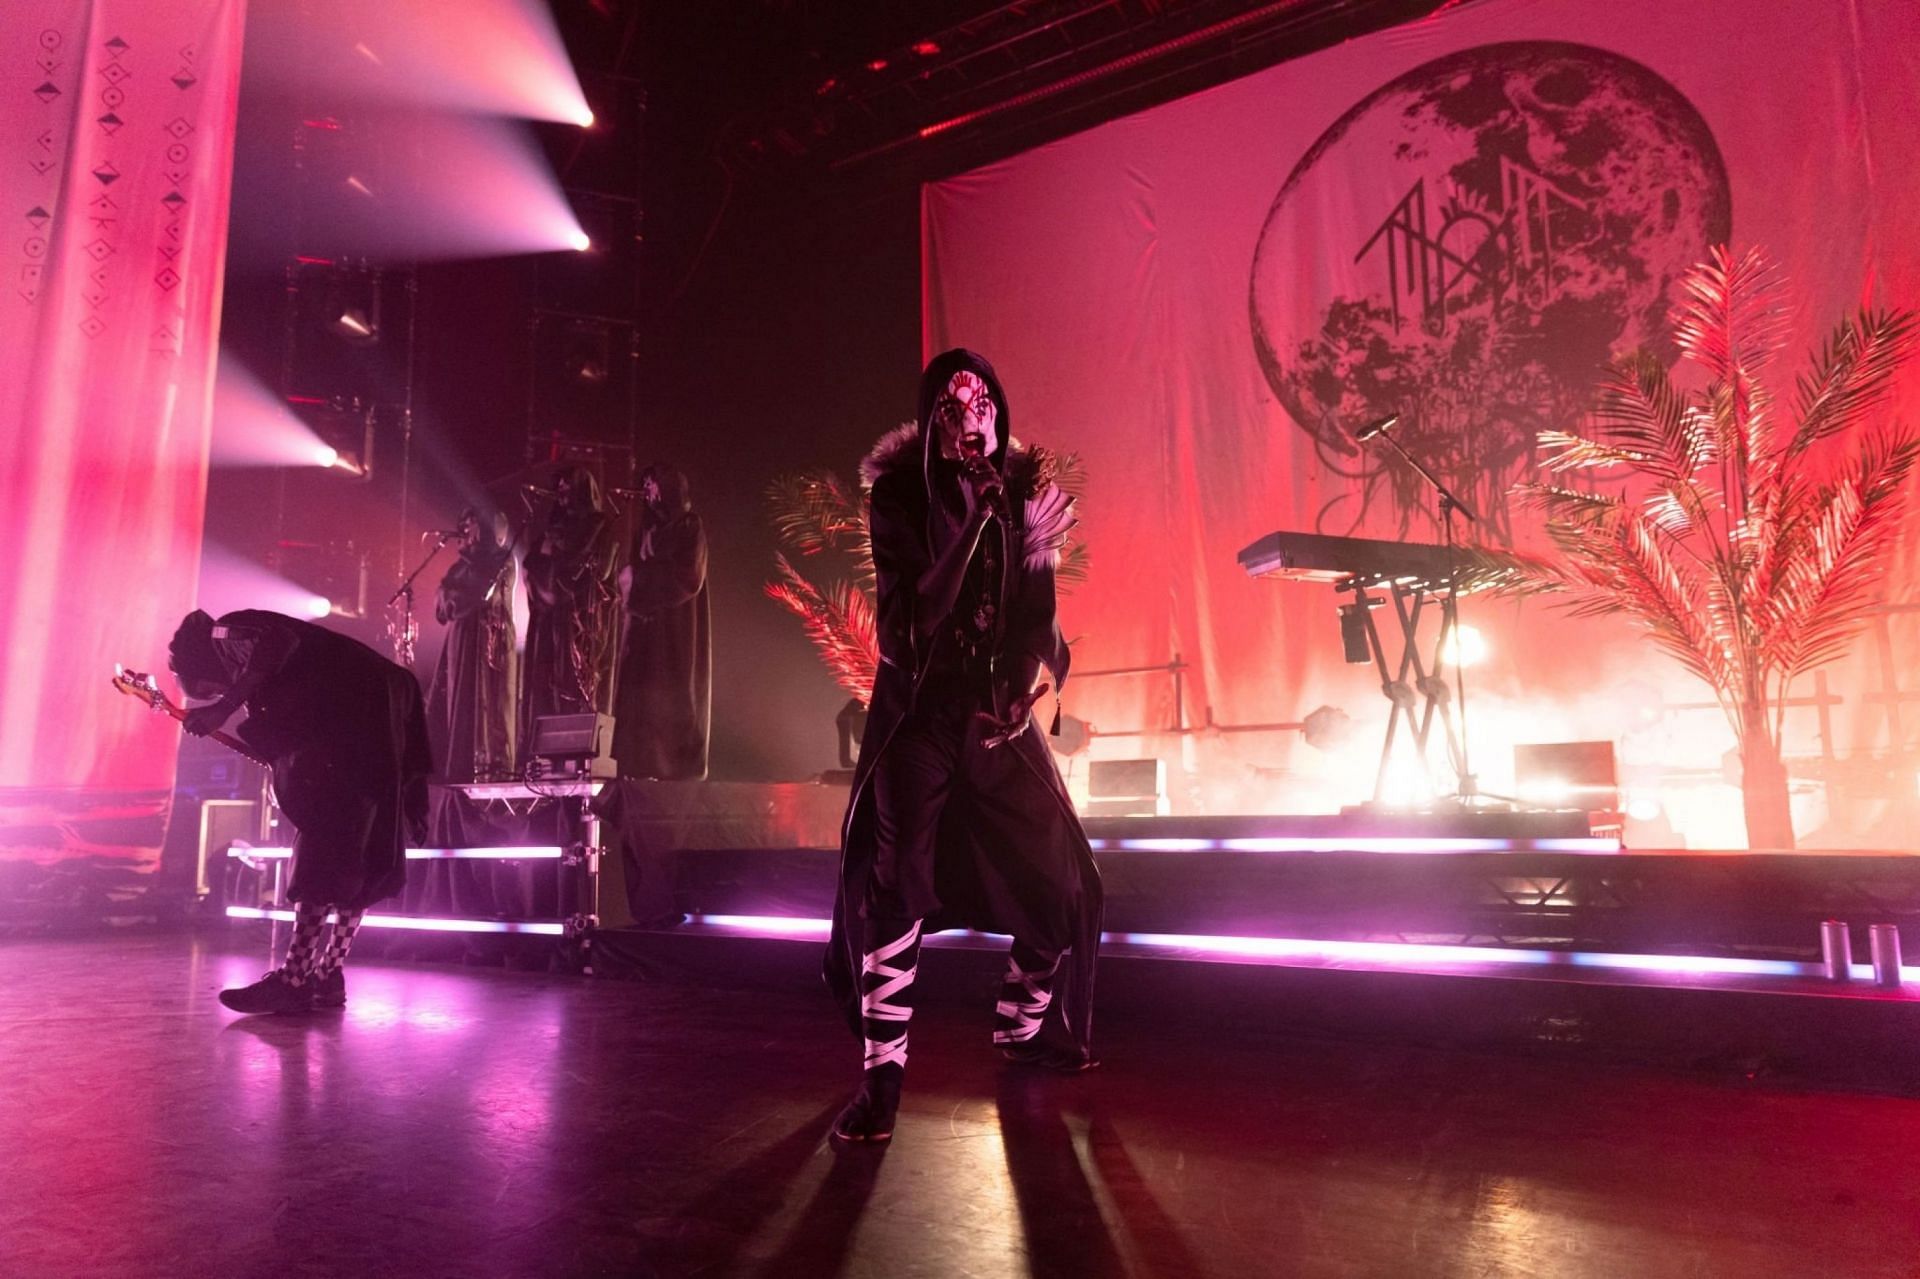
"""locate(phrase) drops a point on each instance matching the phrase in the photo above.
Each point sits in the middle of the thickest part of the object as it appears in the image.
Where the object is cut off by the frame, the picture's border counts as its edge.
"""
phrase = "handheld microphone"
(538, 491)
(1379, 426)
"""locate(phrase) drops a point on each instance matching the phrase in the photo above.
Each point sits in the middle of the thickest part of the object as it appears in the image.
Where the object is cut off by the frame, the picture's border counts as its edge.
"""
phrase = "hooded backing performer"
(471, 703)
(664, 703)
(568, 667)
(958, 816)
(347, 734)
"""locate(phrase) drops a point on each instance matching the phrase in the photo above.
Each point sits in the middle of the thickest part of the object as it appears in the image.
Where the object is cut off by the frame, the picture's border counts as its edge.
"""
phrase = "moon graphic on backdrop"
(1467, 247)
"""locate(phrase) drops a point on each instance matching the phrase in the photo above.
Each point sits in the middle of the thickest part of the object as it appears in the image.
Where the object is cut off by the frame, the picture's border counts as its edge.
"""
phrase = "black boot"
(887, 970)
(869, 1116)
(274, 993)
(330, 989)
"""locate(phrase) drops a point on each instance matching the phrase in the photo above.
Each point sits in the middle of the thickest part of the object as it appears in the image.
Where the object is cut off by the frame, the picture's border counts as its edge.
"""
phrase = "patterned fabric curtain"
(116, 156)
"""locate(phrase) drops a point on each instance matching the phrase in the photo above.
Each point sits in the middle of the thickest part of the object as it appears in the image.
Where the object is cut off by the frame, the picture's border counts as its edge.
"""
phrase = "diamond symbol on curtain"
(38, 217)
(98, 250)
(178, 127)
(111, 123)
(173, 200)
(103, 202)
(99, 274)
(41, 167)
(47, 65)
(47, 92)
(118, 46)
(106, 173)
(167, 278)
(184, 81)
(114, 73)
(93, 326)
(94, 296)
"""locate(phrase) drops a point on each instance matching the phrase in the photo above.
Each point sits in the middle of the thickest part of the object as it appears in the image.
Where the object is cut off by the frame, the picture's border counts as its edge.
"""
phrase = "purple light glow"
(500, 57)
(430, 186)
(531, 852)
(254, 427)
(1405, 956)
(1374, 844)
(229, 581)
(418, 923)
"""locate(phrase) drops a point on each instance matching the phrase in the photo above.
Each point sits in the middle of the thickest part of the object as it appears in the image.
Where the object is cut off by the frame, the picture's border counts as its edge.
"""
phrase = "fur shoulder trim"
(897, 449)
(1027, 470)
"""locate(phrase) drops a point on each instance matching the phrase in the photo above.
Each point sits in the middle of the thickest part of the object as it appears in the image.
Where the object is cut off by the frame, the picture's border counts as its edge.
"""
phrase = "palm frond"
(1853, 530)
(839, 621)
(1565, 451)
(1852, 375)
(1640, 411)
(1732, 322)
(813, 512)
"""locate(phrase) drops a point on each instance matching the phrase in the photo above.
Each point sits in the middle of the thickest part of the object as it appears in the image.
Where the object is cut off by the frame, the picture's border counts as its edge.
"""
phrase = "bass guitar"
(147, 689)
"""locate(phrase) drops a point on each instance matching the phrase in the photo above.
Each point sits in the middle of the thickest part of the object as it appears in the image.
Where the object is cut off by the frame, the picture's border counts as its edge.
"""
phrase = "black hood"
(938, 373)
(581, 480)
(675, 500)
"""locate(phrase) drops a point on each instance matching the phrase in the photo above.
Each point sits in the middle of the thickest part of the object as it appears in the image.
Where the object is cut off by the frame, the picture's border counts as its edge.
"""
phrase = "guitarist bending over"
(346, 731)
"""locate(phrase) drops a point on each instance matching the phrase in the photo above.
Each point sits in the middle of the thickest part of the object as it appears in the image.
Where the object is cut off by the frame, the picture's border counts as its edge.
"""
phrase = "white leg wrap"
(874, 1005)
(1029, 1008)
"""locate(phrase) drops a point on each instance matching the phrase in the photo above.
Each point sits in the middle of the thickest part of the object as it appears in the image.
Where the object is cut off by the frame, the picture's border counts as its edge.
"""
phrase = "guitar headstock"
(141, 685)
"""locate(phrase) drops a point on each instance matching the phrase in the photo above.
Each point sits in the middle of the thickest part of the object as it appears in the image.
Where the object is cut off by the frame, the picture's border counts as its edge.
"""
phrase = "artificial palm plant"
(1751, 538)
(817, 517)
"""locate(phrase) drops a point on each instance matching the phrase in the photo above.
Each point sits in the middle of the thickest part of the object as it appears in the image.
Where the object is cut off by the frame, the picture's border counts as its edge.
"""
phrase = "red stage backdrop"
(1205, 299)
(116, 145)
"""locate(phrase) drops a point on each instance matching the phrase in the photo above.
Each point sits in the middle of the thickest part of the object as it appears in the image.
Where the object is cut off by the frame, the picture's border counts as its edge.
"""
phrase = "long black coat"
(471, 704)
(1055, 864)
(663, 707)
(347, 732)
(572, 610)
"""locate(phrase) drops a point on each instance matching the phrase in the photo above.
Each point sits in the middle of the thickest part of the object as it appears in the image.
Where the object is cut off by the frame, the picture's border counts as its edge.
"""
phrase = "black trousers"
(939, 792)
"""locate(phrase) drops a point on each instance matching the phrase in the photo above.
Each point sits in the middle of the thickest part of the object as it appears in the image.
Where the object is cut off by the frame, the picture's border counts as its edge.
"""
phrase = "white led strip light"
(528, 853)
(1411, 956)
(419, 923)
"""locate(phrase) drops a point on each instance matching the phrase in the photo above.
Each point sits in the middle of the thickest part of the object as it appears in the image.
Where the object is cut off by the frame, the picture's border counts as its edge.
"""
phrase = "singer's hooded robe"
(664, 704)
(1026, 868)
(346, 730)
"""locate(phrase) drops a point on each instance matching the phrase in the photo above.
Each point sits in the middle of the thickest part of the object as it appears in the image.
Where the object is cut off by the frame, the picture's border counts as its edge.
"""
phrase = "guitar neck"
(225, 738)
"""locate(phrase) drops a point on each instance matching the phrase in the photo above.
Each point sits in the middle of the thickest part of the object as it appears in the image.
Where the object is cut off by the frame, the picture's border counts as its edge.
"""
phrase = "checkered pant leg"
(346, 924)
(304, 946)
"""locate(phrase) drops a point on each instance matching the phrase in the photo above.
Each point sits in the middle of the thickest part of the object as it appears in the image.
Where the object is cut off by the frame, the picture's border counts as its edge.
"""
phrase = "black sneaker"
(869, 1116)
(330, 991)
(273, 993)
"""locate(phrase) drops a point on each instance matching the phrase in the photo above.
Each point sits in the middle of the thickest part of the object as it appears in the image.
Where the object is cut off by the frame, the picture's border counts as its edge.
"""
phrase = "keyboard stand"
(1425, 697)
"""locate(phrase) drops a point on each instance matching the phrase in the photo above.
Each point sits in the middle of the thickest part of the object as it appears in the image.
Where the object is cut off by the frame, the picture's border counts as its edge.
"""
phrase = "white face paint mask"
(965, 418)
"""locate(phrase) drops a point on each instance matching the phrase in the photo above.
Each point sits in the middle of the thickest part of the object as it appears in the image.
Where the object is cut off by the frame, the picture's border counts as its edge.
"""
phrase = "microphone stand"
(401, 630)
(1467, 789)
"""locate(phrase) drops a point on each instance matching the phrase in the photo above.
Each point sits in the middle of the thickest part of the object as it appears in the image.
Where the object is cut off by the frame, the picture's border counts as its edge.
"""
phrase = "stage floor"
(482, 1122)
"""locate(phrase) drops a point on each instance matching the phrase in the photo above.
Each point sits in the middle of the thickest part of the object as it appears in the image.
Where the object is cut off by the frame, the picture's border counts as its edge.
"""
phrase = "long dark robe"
(472, 703)
(1031, 875)
(346, 730)
(571, 611)
(664, 706)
